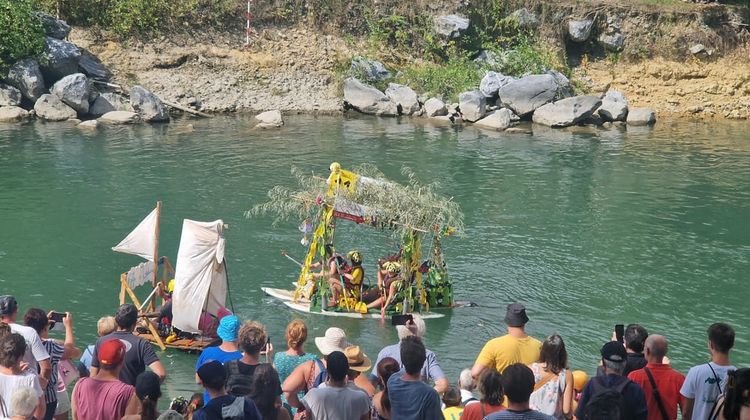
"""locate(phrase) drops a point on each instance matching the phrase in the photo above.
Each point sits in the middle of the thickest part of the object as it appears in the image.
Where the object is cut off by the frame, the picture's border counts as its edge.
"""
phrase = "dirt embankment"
(295, 68)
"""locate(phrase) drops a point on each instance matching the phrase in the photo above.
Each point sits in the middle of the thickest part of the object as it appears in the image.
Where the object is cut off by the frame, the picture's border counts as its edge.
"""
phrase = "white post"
(247, 25)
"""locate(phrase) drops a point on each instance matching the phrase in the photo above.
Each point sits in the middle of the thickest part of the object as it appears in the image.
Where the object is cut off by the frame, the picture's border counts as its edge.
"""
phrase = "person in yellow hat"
(163, 314)
(352, 276)
(389, 282)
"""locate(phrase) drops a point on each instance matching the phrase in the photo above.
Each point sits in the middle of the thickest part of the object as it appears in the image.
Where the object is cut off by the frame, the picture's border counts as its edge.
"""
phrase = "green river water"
(588, 230)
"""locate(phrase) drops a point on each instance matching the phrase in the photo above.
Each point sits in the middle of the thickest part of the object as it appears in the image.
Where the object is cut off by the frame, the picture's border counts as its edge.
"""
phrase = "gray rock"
(612, 42)
(92, 67)
(74, 90)
(641, 116)
(366, 99)
(489, 58)
(269, 119)
(74, 121)
(119, 117)
(55, 28)
(566, 112)
(26, 76)
(90, 124)
(434, 107)
(108, 102)
(580, 30)
(9, 96)
(697, 49)
(371, 70)
(450, 26)
(147, 105)
(564, 90)
(614, 22)
(492, 82)
(525, 18)
(497, 120)
(52, 108)
(525, 95)
(404, 97)
(59, 59)
(12, 114)
(614, 106)
(473, 105)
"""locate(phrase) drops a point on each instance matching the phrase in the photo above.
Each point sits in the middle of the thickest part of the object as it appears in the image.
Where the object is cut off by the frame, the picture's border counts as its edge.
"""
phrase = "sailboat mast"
(156, 242)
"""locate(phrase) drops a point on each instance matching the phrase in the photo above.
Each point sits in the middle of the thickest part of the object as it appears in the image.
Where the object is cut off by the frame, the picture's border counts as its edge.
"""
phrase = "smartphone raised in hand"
(619, 332)
(401, 319)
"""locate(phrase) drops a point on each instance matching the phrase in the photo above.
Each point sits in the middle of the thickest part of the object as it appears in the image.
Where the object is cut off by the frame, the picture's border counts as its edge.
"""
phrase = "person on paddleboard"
(342, 273)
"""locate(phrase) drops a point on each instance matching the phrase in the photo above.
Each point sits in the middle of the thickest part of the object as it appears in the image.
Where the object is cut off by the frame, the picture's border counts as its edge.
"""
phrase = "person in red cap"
(103, 396)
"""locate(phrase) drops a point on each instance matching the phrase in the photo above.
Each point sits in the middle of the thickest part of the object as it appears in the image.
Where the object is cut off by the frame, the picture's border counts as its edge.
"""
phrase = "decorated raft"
(200, 282)
(413, 215)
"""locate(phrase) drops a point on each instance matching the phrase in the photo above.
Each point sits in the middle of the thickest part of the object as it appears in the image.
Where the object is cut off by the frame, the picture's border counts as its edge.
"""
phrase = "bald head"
(656, 348)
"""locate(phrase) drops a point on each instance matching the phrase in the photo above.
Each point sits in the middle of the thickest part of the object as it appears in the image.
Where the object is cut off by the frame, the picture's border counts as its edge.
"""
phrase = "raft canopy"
(365, 196)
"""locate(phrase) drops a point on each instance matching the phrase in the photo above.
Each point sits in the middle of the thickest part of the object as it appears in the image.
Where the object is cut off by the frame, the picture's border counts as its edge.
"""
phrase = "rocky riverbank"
(302, 68)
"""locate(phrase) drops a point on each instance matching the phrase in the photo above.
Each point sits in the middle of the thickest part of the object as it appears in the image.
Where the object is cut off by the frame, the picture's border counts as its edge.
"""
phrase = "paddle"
(290, 258)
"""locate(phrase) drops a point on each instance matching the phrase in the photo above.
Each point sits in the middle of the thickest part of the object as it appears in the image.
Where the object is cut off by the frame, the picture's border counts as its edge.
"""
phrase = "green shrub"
(21, 32)
(446, 80)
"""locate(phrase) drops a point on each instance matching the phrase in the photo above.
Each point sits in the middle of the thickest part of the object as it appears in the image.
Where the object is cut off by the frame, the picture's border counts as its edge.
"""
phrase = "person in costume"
(389, 283)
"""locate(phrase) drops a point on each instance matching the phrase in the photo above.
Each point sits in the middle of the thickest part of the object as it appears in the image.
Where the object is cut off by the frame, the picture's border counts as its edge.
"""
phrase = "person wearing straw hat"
(336, 400)
(312, 373)
(359, 363)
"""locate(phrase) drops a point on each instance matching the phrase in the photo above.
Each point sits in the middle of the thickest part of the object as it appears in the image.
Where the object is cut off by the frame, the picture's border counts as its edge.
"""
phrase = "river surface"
(587, 229)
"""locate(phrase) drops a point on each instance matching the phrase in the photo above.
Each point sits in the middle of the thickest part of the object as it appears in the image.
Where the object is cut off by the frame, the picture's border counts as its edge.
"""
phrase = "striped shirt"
(55, 351)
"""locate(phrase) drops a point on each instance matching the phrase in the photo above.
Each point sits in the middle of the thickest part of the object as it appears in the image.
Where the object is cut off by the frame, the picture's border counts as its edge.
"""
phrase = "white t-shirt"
(10, 383)
(35, 351)
(700, 385)
(332, 403)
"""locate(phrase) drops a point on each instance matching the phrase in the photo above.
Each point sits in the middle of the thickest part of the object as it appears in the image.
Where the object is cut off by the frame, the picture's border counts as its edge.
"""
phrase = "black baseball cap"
(213, 374)
(8, 305)
(614, 351)
(515, 315)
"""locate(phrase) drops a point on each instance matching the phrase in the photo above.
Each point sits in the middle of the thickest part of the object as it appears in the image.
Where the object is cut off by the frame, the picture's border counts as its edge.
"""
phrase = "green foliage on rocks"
(446, 79)
(21, 32)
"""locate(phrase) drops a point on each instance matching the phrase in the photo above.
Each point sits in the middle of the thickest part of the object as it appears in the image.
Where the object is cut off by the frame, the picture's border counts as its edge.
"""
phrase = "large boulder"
(147, 105)
(9, 96)
(92, 67)
(612, 42)
(55, 28)
(366, 99)
(525, 18)
(496, 120)
(580, 30)
(405, 98)
(59, 59)
(26, 76)
(119, 117)
(52, 108)
(525, 95)
(450, 26)
(370, 70)
(269, 119)
(108, 102)
(492, 82)
(564, 89)
(614, 106)
(12, 114)
(566, 112)
(473, 105)
(434, 107)
(74, 90)
(641, 116)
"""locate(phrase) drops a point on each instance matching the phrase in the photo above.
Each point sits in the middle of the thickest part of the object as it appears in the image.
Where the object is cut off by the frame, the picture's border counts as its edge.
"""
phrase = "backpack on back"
(606, 402)
(322, 376)
(235, 410)
(238, 384)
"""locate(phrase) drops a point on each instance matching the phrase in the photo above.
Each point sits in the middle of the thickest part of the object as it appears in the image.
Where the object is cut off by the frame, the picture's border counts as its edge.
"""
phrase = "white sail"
(200, 274)
(142, 240)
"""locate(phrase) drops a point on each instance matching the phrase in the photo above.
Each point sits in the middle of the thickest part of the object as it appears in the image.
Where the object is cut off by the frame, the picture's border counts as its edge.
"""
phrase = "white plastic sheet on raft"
(200, 275)
(142, 240)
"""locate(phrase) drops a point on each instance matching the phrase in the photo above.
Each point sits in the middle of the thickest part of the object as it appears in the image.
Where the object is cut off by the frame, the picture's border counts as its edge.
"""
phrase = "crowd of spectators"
(515, 376)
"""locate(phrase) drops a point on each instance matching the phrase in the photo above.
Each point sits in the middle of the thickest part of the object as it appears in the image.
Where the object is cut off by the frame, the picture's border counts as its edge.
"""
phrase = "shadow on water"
(589, 229)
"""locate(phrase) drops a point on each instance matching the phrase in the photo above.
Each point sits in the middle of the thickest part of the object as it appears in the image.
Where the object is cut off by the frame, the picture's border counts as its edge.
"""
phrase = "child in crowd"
(452, 401)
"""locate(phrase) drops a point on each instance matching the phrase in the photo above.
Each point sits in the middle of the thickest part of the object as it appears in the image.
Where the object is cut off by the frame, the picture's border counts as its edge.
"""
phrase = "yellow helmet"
(392, 267)
(170, 286)
(355, 256)
(580, 378)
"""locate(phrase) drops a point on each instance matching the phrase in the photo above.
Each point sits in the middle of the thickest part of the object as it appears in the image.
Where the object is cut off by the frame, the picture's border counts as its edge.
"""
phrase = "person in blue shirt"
(412, 399)
(226, 351)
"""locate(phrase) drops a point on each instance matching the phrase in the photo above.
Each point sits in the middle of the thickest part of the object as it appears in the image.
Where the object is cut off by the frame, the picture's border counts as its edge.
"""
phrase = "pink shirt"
(101, 400)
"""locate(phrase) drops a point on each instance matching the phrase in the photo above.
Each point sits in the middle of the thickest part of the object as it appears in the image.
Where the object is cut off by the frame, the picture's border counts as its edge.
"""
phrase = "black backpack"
(606, 402)
(238, 384)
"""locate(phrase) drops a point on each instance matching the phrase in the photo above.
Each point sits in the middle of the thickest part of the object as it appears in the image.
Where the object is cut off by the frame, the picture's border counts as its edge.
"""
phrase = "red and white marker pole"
(248, 30)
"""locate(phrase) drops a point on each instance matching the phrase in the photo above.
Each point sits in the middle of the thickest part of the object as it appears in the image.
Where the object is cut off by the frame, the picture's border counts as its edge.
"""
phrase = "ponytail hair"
(386, 367)
(148, 408)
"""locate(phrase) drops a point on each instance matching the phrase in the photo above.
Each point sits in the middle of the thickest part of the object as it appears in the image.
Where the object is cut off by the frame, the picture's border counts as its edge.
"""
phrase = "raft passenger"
(389, 282)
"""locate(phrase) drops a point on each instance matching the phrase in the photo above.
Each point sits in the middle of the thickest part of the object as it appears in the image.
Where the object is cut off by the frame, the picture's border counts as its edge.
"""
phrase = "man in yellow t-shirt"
(514, 347)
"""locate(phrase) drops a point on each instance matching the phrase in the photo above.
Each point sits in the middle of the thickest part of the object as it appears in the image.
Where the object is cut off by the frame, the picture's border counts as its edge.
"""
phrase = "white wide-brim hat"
(333, 340)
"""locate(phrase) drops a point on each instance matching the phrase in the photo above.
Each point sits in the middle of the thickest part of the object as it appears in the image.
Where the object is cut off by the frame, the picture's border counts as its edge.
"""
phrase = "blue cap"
(228, 328)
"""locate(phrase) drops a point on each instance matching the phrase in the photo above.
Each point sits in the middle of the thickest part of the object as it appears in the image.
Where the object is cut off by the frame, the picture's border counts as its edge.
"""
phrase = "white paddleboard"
(305, 307)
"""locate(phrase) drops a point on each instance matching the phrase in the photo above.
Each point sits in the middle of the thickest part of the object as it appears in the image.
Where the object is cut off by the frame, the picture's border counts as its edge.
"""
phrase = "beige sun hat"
(357, 360)
(333, 340)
